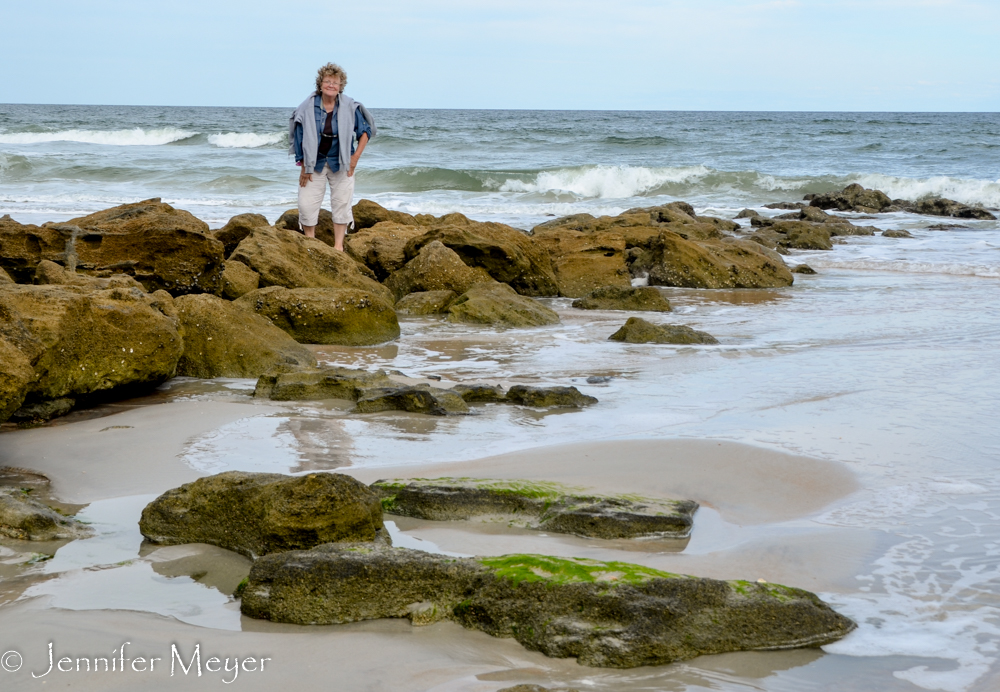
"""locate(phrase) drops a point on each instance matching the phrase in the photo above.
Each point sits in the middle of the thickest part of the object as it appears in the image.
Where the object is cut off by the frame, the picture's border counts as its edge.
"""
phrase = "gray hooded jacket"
(310, 137)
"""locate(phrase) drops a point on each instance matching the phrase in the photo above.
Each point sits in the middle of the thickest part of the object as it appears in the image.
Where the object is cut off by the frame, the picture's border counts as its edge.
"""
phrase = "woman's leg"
(310, 199)
(341, 196)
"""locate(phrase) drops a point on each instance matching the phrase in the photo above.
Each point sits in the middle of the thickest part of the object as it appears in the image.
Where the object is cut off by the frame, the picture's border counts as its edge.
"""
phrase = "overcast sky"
(848, 55)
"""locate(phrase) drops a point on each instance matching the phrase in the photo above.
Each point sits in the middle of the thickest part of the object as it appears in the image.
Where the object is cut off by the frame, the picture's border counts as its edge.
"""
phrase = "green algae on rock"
(548, 397)
(638, 331)
(541, 505)
(314, 384)
(25, 519)
(499, 305)
(259, 513)
(425, 302)
(640, 298)
(421, 398)
(606, 614)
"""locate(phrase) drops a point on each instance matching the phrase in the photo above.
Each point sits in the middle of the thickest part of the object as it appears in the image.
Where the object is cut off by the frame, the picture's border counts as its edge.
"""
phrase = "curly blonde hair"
(331, 70)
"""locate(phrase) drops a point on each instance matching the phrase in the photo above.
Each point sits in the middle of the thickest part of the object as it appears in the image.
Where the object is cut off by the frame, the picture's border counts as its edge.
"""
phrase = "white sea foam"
(988, 271)
(245, 140)
(606, 181)
(967, 191)
(134, 137)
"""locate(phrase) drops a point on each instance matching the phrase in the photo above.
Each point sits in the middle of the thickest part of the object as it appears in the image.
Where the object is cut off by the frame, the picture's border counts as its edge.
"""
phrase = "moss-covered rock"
(15, 375)
(82, 342)
(541, 505)
(238, 279)
(607, 614)
(803, 235)
(382, 246)
(674, 261)
(435, 268)
(507, 254)
(419, 398)
(638, 331)
(854, 197)
(25, 519)
(23, 246)
(585, 261)
(368, 213)
(238, 228)
(48, 273)
(940, 206)
(319, 383)
(43, 411)
(289, 259)
(289, 221)
(347, 316)
(259, 513)
(640, 298)
(548, 397)
(896, 233)
(425, 302)
(224, 339)
(498, 305)
(480, 393)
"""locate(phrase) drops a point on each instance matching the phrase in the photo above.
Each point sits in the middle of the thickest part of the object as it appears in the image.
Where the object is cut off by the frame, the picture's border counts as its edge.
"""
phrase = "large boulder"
(289, 221)
(425, 302)
(238, 228)
(255, 514)
(435, 268)
(26, 519)
(382, 247)
(607, 614)
(81, 342)
(15, 375)
(223, 339)
(368, 213)
(854, 197)
(23, 246)
(540, 505)
(499, 305)
(674, 261)
(238, 279)
(638, 331)
(162, 247)
(585, 261)
(346, 316)
(640, 298)
(285, 258)
(507, 254)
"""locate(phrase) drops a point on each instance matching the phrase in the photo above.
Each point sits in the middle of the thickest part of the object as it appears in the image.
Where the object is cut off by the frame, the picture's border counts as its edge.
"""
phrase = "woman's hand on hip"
(304, 178)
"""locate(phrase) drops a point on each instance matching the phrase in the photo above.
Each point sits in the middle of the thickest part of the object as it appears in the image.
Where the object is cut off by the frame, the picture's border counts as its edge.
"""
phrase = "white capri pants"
(341, 196)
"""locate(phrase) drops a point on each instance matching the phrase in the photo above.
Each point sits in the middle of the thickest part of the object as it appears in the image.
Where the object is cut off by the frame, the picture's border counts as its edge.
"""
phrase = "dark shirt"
(331, 157)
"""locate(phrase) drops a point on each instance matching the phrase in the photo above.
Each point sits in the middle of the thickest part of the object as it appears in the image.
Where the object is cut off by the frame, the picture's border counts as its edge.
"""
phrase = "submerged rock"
(499, 305)
(638, 331)
(607, 614)
(541, 505)
(547, 397)
(419, 398)
(640, 298)
(347, 316)
(896, 233)
(319, 383)
(259, 513)
(223, 339)
(425, 302)
(25, 519)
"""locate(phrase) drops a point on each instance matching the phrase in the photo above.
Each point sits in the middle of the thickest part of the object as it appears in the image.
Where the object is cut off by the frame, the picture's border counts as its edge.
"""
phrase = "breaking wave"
(134, 137)
(246, 140)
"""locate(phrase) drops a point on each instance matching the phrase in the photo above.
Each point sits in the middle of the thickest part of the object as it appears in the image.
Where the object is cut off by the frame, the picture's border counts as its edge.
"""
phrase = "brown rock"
(23, 246)
(238, 228)
(238, 279)
(15, 375)
(382, 247)
(223, 339)
(368, 214)
(640, 298)
(803, 235)
(585, 261)
(283, 258)
(435, 268)
(5, 277)
(425, 302)
(346, 316)
(854, 197)
(499, 305)
(638, 331)
(674, 261)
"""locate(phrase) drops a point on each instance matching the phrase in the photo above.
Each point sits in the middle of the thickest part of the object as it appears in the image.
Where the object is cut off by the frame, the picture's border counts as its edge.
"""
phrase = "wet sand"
(754, 523)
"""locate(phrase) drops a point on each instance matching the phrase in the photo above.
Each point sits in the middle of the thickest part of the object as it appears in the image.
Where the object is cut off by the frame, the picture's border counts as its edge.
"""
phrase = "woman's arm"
(357, 154)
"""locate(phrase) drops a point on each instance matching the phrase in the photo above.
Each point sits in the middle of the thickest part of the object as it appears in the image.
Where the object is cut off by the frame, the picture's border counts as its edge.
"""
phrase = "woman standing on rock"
(322, 131)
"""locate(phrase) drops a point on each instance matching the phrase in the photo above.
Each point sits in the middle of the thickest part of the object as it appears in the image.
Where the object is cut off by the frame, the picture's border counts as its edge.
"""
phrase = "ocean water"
(887, 360)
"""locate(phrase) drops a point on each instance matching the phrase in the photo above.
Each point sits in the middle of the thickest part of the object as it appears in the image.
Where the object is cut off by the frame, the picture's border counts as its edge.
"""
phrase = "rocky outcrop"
(435, 268)
(940, 206)
(368, 213)
(498, 305)
(674, 261)
(238, 279)
(238, 228)
(285, 258)
(346, 316)
(608, 614)
(15, 375)
(548, 397)
(223, 339)
(23, 246)
(540, 505)
(25, 519)
(506, 254)
(148, 216)
(255, 514)
(585, 261)
(382, 247)
(638, 331)
(425, 302)
(854, 197)
(419, 398)
(319, 383)
(81, 342)
(641, 298)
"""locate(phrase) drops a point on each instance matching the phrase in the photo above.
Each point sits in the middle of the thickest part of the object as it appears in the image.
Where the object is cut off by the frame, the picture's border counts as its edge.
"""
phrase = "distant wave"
(909, 267)
(606, 182)
(245, 140)
(134, 137)
(985, 192)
